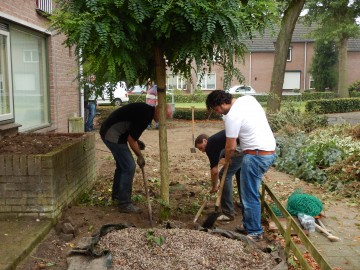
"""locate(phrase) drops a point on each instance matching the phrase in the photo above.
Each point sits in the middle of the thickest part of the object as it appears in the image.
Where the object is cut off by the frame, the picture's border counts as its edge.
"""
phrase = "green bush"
(292, 120)
(355, 87)
(199, 114)
(338, 105)
(330, 156)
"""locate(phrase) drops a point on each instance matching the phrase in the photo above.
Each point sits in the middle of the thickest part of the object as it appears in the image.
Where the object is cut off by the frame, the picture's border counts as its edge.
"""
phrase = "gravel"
(135, 248)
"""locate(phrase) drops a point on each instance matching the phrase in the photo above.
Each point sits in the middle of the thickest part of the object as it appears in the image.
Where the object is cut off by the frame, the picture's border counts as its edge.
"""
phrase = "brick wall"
(41, 185)
(64, 93)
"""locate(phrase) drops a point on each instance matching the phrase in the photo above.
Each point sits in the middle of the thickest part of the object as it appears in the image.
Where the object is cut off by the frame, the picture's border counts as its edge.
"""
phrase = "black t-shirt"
(214, 145)
(131, 119)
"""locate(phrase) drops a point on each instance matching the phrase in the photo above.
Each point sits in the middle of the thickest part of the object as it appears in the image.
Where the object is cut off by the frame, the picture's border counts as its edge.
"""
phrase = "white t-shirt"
(247, 121)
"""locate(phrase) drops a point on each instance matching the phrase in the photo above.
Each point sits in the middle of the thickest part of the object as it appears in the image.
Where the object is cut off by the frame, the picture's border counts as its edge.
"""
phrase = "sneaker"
(225, 218)
(255, 237)
(130, 208)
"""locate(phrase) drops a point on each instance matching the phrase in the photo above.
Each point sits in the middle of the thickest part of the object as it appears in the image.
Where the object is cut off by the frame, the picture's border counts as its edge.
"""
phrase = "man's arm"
(214, 172)
(230, 147)
(136, 149)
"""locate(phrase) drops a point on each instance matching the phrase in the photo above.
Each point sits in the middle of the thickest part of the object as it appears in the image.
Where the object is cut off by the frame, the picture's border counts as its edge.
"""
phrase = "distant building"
(39, 89)
(258, 65)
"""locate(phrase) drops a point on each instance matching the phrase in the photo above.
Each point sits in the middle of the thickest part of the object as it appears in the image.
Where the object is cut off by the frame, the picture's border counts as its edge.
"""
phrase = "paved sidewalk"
(337, 118)
(18, 237)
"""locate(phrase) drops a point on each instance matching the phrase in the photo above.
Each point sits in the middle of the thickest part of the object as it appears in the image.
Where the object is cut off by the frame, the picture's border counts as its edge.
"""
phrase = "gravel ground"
(135, 248)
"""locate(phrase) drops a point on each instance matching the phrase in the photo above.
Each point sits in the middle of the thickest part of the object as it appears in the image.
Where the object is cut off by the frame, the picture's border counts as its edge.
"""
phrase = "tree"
(292, 9)
(136, 39)
(337, 22)
(323, 66)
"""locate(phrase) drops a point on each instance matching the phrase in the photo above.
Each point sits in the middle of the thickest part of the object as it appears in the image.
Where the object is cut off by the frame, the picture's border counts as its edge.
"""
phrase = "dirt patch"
(35, 143)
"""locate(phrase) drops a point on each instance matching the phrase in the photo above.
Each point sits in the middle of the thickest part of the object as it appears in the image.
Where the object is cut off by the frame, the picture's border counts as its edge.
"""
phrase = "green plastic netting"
(307, 204)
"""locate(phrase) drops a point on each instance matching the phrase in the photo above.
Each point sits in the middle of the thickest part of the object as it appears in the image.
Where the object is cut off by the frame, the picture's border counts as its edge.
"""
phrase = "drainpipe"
(305, 65)
(82, 110)
(250, 67)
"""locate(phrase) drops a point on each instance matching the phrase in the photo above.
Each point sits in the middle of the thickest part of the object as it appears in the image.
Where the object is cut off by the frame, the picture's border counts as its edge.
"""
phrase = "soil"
(189, 177)
(35, 143)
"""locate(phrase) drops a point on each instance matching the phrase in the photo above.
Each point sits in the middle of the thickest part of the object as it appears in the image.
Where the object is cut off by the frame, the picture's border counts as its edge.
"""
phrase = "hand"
(141, 145)
(140, 161)
(222, 161)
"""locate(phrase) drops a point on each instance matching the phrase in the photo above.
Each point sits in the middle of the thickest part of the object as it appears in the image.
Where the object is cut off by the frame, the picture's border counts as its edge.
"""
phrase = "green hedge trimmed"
(199, 97)
(199, 114)
(337, 105)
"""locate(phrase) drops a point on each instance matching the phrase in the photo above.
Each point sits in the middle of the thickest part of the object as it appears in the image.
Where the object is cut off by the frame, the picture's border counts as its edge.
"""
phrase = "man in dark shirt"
(213, 146)
(120, 130)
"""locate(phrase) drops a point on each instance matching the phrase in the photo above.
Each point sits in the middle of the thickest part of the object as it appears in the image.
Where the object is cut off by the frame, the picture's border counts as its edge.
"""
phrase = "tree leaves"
(122, 34)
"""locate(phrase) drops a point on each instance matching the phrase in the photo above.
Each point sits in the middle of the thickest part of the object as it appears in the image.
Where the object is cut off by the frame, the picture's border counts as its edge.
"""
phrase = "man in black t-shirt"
(213, 146)
(122, 129)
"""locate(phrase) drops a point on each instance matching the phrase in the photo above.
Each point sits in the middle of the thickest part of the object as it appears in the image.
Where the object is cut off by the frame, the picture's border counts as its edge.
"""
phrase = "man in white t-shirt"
(246, 120)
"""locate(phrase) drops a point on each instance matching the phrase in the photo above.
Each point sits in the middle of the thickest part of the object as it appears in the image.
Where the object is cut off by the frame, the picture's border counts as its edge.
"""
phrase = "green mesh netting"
(307, 204)
(275, 209)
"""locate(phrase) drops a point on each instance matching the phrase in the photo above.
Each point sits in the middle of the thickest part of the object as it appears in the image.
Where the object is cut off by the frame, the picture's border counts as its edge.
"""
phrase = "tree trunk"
(343, 91)
(283, 40)
(160, 74)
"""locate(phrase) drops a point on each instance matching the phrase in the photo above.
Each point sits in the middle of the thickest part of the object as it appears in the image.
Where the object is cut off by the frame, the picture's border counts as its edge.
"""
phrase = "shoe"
(130, 208)
(240, 229)
(255, 237)
(225, 218)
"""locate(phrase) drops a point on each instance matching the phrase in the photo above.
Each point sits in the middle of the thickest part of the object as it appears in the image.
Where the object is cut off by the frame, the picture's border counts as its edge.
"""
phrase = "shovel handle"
(147, 196)
(221, 187)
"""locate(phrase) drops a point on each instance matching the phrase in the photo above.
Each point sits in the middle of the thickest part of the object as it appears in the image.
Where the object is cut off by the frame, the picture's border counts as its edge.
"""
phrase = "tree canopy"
(117, 38)
(337, 22)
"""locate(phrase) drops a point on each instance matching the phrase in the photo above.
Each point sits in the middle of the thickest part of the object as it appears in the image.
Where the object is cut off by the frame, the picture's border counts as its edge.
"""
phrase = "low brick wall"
(41, 185)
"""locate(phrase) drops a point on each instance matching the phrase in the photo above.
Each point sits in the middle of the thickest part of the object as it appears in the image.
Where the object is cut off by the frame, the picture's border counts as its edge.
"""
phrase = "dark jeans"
(90, 115)
(124, 172)
(227, 204)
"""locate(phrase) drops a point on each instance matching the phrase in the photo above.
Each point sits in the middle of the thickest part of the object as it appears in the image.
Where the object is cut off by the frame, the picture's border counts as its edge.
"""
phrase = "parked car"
(119, 94)
(241, 89)
(137, 90)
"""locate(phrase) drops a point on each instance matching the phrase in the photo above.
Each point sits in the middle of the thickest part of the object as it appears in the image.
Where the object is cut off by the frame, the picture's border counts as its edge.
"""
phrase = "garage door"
(291, 80)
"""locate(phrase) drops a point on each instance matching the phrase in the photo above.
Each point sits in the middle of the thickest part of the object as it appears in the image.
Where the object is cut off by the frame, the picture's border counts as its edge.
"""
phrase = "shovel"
(209, 222)
(147, 196)
(192, 149)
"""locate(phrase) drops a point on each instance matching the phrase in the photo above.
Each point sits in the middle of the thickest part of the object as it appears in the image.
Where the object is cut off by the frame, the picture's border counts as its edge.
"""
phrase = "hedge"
(337, 105)
(199, 98)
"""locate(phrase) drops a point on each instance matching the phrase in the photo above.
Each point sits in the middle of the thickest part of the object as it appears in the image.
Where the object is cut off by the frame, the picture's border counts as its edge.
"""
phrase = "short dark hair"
(199, 139)
(216, 98)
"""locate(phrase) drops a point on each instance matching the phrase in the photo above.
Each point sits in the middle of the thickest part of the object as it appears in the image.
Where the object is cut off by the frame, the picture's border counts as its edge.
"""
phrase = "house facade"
(39, 89)
(258, 65)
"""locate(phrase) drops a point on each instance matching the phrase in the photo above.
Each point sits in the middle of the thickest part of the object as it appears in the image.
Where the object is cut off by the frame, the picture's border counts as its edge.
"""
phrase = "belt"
(259, 152)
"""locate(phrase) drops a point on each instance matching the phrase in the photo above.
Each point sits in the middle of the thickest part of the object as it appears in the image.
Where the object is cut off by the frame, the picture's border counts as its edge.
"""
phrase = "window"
(30, 56)
(44, 6)
(311, 82)
(175, 82)
(207, 82)
(289, 55)
(29, 76)
(6, 104)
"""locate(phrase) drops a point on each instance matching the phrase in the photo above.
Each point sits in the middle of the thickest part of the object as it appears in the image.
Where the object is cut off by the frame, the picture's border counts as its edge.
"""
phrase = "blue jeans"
(252, 171)
(90, 115)
(227, 203)
(124, 172)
